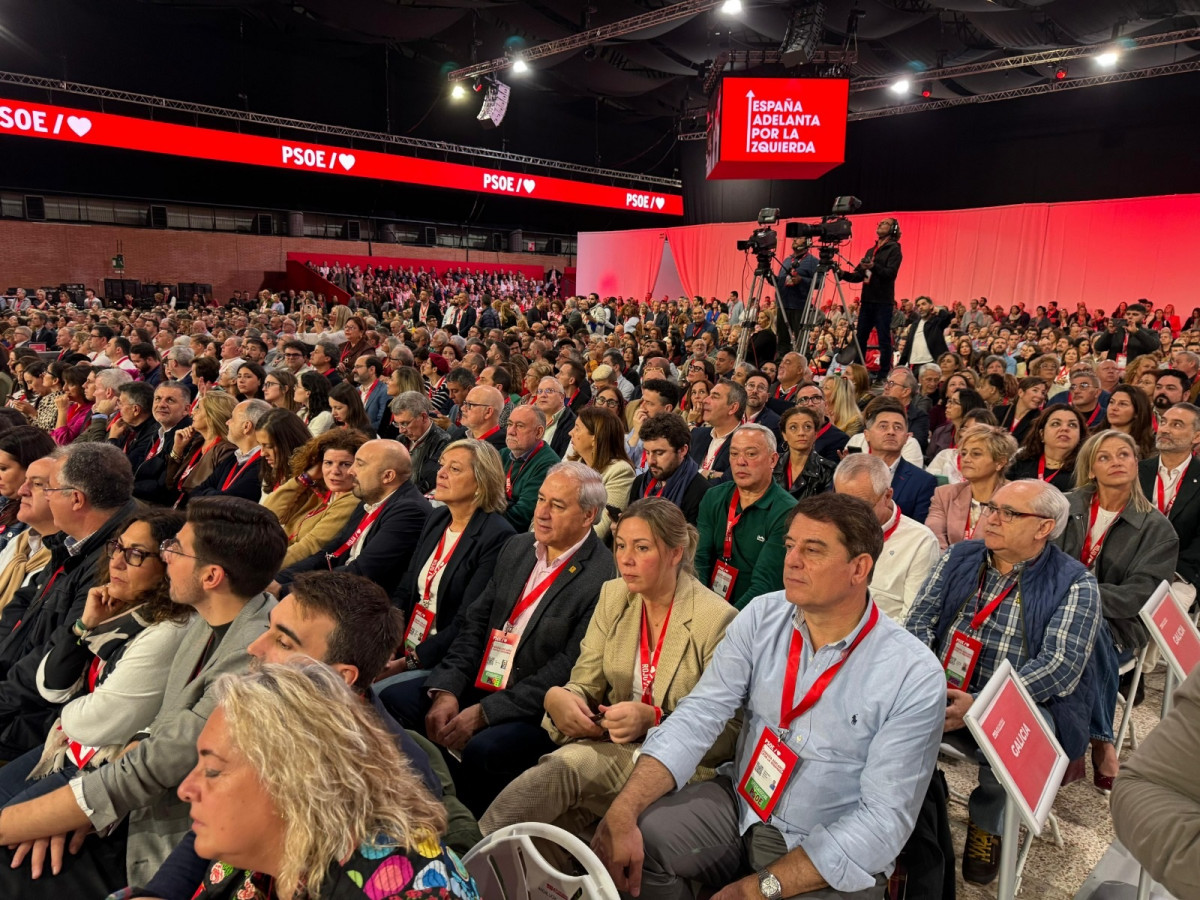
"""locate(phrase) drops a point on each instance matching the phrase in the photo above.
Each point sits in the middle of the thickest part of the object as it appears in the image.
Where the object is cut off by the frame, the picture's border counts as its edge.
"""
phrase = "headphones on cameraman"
(895, 235)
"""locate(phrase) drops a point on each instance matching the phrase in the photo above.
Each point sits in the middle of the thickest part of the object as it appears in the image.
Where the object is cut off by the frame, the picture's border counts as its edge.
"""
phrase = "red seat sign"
(1172, 630)
(777, 127)
(1020, 745)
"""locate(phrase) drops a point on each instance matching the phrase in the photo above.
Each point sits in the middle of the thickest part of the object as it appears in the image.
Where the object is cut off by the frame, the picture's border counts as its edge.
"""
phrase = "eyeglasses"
(1008, 515)
(272, 384)
(611, 403)
(468, 404)
(696, 367)
(810, 398)
(546, 392)
(46, 489)
(134, 556)
(172, 545)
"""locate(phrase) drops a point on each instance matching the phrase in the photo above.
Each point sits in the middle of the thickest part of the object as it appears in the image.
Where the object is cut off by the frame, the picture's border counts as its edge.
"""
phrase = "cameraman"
(791, 289)
(877, 272)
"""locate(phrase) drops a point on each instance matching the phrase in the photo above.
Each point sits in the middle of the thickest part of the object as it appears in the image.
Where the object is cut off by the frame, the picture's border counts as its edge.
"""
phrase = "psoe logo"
(507, 184)
(638, 200)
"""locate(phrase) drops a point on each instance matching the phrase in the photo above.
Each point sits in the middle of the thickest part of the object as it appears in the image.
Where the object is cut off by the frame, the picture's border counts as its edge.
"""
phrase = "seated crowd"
(301, 601)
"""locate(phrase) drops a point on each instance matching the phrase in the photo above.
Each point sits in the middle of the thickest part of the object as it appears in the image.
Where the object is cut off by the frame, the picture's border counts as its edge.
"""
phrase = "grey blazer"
(142, 783)
(1139, 552)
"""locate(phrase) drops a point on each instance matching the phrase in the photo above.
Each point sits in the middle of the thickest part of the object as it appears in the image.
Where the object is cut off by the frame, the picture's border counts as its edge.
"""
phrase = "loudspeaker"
(264, 223)
(429, 236)
(158, 217)
(804, 33)
(554, 246)
(516, 241)
(353, 230)
(35, 208)
(495, 104)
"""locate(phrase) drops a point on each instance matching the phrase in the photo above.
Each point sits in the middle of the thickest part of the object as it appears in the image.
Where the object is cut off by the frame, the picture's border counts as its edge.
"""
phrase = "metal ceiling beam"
(681, 10)
(440, 147)
(1033, 90)
(1044, 57)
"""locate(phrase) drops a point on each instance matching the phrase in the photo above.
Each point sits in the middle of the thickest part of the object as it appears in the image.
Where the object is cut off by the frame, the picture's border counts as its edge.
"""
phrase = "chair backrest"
(507, 866)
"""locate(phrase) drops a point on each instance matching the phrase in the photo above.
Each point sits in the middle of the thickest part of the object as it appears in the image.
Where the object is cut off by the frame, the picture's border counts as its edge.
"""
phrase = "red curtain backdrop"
(1099, 253)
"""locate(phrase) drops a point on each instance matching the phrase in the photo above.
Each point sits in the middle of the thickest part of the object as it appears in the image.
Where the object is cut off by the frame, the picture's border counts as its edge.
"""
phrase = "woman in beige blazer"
(615, 695)
(984, 452)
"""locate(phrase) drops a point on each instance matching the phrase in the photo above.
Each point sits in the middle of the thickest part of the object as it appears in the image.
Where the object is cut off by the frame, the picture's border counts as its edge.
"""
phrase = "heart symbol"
(347, 160)
(81, 125)
(529, 185)
(659, 201)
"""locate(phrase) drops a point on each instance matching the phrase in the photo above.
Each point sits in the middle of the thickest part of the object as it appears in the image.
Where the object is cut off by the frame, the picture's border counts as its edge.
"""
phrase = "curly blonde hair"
(333, 774)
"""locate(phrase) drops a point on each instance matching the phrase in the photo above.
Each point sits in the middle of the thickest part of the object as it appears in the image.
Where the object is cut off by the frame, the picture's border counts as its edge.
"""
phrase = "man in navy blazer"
(382, 548)
(1175, 471)
(886, 432)
(723, 411)
(368, 375)
(542, 597)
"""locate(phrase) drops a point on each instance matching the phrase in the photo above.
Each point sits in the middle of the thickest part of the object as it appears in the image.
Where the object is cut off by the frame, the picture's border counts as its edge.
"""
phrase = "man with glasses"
(412, 415)
(1085, 397)
(560, 418)
(757, 392)
(793, 374)
(24, 556)
(830, 440)
(481, 417)
(219, 564)
(295, 357)
(498, 377)
(133, 431)
(1015, 596)
(324, 359)
(103, 389)
(901, 385)
(526, 458)
(89, 493)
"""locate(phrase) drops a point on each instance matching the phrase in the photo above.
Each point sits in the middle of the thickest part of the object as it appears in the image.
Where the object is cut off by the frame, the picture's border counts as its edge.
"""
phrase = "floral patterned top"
(430, 871)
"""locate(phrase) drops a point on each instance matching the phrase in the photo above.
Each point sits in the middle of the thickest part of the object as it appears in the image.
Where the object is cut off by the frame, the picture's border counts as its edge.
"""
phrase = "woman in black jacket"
(454, 559)
(800, 471)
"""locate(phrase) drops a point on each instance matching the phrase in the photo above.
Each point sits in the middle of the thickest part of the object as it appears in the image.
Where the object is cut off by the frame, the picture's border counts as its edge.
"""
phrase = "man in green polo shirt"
(742, 522)
(526, 459)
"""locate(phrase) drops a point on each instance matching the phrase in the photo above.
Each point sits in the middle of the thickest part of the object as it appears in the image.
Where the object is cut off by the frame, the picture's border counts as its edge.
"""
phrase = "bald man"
(481, 416)
(378, 540)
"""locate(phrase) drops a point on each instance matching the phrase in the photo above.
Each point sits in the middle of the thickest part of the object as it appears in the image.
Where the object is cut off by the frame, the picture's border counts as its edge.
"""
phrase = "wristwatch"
(769, 886)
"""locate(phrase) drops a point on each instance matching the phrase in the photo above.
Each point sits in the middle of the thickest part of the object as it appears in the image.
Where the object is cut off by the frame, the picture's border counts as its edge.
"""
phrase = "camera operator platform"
(792, 288)
(877, 274)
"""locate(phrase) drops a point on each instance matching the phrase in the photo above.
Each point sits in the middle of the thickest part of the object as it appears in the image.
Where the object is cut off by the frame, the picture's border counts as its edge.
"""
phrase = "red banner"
(59, 123)
(777, 127)
(1173, 631)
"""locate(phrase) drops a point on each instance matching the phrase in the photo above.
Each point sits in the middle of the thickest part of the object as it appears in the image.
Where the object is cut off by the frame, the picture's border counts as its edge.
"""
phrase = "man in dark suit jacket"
(1171, 480)
(932, 322)
(670, 472)
(171, 402)
(412, 412)
(901, 385)
(758, 390)
(377, 540)
(723, 410)
(537, 608)
(830, 439)
(1129, 339)
(912, 490)
(885, 433)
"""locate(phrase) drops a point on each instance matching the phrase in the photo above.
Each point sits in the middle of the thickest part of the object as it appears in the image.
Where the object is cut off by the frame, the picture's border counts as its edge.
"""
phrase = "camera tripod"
(762, 274)
(811, 316)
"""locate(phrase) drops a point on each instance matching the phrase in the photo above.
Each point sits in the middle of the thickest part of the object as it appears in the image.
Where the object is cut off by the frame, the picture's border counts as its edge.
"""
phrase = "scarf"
(677, 484)
(21, 566)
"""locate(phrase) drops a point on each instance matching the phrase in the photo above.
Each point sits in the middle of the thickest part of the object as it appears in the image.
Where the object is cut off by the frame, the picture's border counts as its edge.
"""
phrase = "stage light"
(519, 66)
(1060, 72)
(731, 7)
(900, 86)
(1107, 59)
(926, 93)
(458, 92)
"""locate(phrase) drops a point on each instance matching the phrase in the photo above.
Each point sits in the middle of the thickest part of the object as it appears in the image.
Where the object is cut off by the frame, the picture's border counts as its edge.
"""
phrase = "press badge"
(419, 625)
(497, 661)
(770, 768)
(960, 660)
(724, 577)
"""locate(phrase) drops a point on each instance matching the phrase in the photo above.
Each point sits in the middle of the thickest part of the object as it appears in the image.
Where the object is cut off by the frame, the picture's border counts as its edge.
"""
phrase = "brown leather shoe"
(981, 856)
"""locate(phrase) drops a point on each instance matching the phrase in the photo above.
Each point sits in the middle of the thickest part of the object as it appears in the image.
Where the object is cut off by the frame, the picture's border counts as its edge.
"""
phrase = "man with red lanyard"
(238, 474)
(825, 739)
(723, 410)
(483, 701)
(1085, 397)
(367, 374)
(793, 374)
(670, 472)
(1015, 596)
(910, 549)
(171, 401)
(1171, 480)
(481, 417)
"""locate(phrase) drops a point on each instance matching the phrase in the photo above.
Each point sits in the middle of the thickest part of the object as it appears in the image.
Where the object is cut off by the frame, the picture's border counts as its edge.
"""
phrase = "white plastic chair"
(1137, 665)
(507, 866)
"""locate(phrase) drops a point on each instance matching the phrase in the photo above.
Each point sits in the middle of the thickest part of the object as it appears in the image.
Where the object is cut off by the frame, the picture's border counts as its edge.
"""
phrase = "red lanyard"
(824, 428)
(532, 595)
(187, 470)
(649, 664)
(981, 616)
(731, 522)
(153, 452)
(893, 525)
(1089, 553)
(438, 563)
(1092, 417)
(358, 532)
(650, 492)
(787, 712)
(50, 583)
(788, 394)
(1042, 470)
(237, 470)
(789, 472)
(1163, 506)
(573, 396)
(508, 476)
(371, 390)
(488, 434)
(321, 507)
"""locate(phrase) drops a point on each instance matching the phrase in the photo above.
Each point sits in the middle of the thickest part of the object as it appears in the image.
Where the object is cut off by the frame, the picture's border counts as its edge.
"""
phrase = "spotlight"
(519, 66)
(900, 86)
(926, 93)
(458, 92)
(1060, 72)
(731, 7)
(1107, 59)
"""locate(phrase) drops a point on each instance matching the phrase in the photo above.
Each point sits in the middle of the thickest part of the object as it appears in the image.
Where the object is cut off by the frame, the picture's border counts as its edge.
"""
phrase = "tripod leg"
(753, 303)
(807, 320)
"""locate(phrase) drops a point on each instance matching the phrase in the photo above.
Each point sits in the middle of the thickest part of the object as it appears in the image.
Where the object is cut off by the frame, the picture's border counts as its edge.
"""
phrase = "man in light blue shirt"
(862, 723)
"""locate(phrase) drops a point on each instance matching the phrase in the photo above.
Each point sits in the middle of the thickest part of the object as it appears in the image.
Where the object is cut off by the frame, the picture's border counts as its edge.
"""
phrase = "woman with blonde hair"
(841, 405)
(299, 792)
(601, 716)
(860, 381)
(1131, 548)
(983, 454)
(202, 447)
(314, 504)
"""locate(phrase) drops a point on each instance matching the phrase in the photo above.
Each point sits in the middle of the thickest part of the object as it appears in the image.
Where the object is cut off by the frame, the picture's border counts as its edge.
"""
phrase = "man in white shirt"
(910, 549)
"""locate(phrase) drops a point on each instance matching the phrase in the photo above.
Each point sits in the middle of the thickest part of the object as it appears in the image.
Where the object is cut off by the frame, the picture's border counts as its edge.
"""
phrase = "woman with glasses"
(800, 471)
(316, 502)
(956, 509)
(1131, 548)
(598, 438)
(1050, 448)
(612, 399)
(202, 447)
(107, 666)
(312, 398)
(279, 389)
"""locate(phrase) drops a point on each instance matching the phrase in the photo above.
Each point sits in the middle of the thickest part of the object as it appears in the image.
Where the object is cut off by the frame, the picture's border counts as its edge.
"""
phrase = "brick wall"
(41, 253)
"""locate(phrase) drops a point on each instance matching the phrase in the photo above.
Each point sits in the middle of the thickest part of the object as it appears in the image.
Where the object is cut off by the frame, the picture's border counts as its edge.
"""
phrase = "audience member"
(597, 440)
(526, 459)
(723, 411)
(28, 554)
(280, 435)
(670, 471)
(957, 509)
(239, 473)
(19, 447)
(373, 391)
(170, 414)
(1021, 415)
(1173, 486)
(901, 385)
(1049, 450)
(560, 417)
(412, 414)
(800, 470)
(203, 447)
